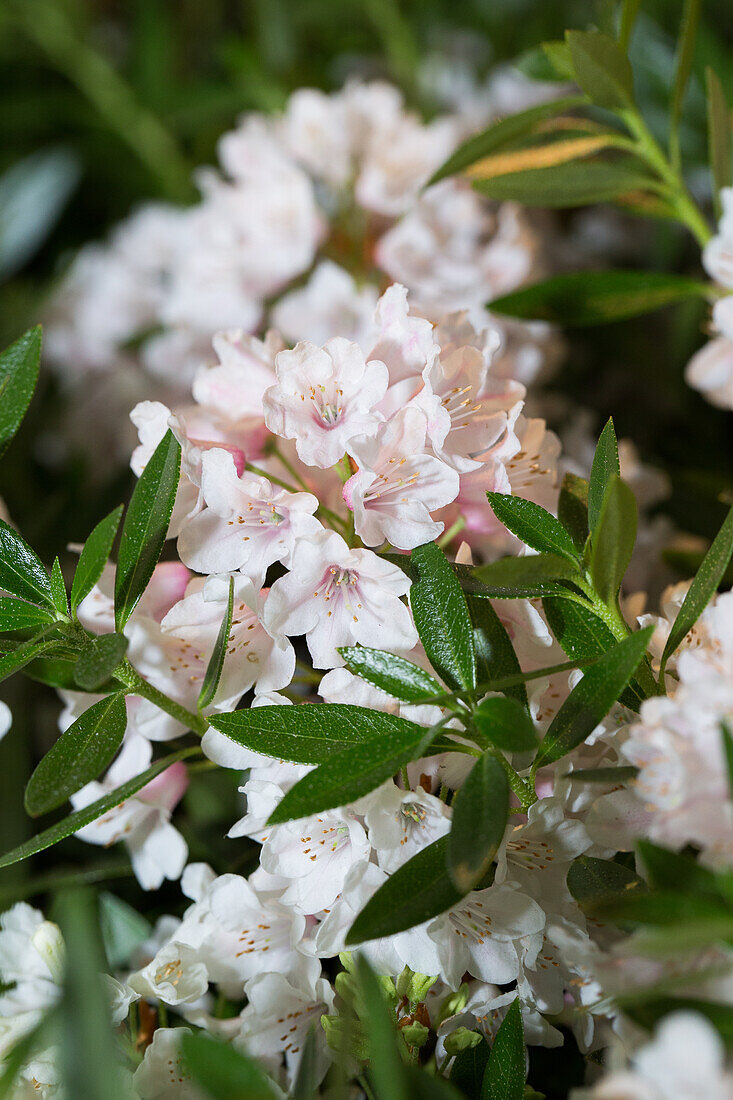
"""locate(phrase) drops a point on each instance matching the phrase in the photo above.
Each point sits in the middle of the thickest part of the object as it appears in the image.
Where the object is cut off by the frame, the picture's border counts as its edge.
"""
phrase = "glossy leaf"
(58, 588)
(579, 183)
(601, 69)
(21, 572)
(81, 753)
(595, 882)
(212, 676)
(59, 672)
(98, 660)
(469, 1066)
(309, 733)
(441, 617)
(613, 539)
(572, 509)
(18, 377)
(222, 1072)
(85, 816)
(396, 676)
(597, 297)
(533, 575)
(347, 775)
(94, 556)
(505, 1073)
(506, 724)
(534, 156)
(387, 1069)
(534, 525)
(19, 615)
(146, 526)
(605, 465)
(719, 127)
(23, 654)
(417, 891)
(503, 133)
(480, 813)
(703, 587)
(495, 656)
(592, 698)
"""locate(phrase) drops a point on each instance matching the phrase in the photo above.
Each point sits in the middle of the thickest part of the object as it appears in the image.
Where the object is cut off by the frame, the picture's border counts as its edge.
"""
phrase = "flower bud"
(461, 1039)
(415, 1034)
(49, 943)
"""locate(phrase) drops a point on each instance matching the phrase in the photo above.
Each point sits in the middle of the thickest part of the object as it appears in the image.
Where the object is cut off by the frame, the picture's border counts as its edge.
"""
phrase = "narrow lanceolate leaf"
(469, 1066)
(683, 68)
(94, 557)
(21, 572)
(534, 575)
(23, 654)
(19, 615)
(534, 525)
(417, 891)
(703, 587)
(76, 821)
(596, 882)
(146, 526)
(212, 676)
(591, 699)
(667, 870)
(495, 656)
(502, 133)
(572, 509)
(480, 812)
(58, 589)
(506, 724)
(98, 660)
(388, 1071)
(719, 127)
(18, 376)
(601, 69)
(597, 297)
(539, 156)
(441, 617)
(308, 733)
(353, 772)
(81, 753)
(504, 1076)
(613, 539)
(580, 183)
(397, 677)
(728, 754)
(605, 465)
(223, 1072)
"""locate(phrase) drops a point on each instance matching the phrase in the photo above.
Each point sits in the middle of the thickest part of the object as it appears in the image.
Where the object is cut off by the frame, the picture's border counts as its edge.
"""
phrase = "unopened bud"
(49, 943)
(454, 1003)
(461, 1039)
(415, 1034)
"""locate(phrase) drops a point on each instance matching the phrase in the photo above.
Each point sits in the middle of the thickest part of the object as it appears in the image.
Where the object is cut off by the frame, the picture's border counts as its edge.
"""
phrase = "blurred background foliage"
(105, 104)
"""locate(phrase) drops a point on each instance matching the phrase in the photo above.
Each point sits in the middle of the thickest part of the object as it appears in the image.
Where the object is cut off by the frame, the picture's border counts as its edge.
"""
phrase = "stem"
(405, 778)
(291, 469)
(447, 537)
(133, 680)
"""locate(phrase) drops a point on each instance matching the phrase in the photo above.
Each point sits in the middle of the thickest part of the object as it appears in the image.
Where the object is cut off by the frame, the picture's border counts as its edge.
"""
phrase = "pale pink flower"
(404, 342)
(235, 386)
(330, 304)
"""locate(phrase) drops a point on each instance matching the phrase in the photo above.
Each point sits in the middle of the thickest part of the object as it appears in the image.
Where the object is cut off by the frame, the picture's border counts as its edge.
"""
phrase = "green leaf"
(613, 539)
(23, 654)
(397, 677)
(308, 1076)
(58, 588)
(21, 572)
(224, 1073)
(533, 575)
(94, 556)
(58, 672)
(666, 870)
(81, 753)
(387, 1070)
(506, 724)
(480, 814)
(504, 1076)
(98, 660)
(601, 69)
(703, 587)
(18, 377)
(597, 297)
(605, 465)
(146, 526)
(353, 772)
(558, 55)
(595, 882)
(683, 67)
(495, 656)
(441, 617)
(19, 615)
(592, 698)
(212, 676)
(123, 929)
(572, 509)
(629, 12)
(85, 816)
(417, 891)
(309, 733)
(612, 775)
(647, 1015)
(719, 127)
(668, 908)
(728, 754)
(503, 133)
(576, 183)
(469, 1067)
(534, 525)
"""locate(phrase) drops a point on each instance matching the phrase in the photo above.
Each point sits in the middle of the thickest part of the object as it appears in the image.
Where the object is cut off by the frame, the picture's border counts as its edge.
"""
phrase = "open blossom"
(398, 485)
(330, 304)
(339, 597)
(248, 522)
(234, 387)
(402, 823)
(323, 398)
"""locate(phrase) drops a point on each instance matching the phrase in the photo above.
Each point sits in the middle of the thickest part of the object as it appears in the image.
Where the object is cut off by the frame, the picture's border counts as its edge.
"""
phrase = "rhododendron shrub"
(484, 812)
